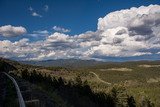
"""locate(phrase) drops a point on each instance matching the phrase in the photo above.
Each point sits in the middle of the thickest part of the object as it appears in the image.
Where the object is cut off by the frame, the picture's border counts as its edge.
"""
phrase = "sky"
(82, 29)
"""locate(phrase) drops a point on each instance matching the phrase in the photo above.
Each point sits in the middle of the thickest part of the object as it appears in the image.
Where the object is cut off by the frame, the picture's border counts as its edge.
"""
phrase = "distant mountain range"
(76, 63)
(69, 63)
(65, 63)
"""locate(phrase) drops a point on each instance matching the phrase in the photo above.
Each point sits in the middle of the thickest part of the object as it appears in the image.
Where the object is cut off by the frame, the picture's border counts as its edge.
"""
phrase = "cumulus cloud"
(12, 31)
(60, 29)
(130, 17)
(126, 33)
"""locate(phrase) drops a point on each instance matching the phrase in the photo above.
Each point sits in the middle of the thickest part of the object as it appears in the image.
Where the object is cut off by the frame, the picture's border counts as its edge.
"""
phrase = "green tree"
(131, 102)
(78, 80)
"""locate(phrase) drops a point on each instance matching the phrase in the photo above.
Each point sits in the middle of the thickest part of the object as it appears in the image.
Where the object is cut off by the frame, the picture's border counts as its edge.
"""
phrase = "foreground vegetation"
(77, 93)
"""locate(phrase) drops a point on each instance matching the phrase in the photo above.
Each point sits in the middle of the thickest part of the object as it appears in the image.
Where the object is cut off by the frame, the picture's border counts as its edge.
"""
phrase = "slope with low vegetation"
(79, 87)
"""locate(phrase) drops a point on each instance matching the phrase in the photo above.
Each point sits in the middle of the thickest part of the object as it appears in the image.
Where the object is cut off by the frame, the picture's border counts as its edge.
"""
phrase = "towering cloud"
(130, 32)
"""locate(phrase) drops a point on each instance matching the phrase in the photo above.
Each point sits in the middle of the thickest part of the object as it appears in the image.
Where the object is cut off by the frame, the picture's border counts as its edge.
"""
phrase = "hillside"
(5, 67)
(50, 88)
(134, 81)
(141, 78)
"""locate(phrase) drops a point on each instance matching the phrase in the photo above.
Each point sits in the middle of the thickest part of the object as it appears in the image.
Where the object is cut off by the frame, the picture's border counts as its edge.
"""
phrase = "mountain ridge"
(79, 63)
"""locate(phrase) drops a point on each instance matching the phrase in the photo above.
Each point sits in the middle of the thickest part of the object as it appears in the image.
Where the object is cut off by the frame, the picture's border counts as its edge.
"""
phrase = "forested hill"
(10, 65)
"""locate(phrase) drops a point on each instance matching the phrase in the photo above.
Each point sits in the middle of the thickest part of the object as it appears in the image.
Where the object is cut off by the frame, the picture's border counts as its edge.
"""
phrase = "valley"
(133, 79)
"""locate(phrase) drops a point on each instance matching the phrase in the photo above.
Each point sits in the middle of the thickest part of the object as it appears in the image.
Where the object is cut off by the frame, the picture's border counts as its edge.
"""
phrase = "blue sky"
(78, 15)
(45, 19)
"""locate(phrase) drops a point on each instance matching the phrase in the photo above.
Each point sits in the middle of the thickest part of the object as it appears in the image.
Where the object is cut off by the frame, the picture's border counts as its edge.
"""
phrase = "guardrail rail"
(20, 98)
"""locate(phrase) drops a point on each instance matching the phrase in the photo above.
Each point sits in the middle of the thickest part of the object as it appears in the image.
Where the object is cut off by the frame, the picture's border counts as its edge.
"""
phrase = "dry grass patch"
(153, 80)
(148, 66)
(120, 69)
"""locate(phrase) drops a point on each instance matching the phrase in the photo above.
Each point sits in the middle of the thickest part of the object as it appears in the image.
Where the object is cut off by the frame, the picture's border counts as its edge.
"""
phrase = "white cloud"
(60, 29)
(130, 17)
(30, 9)
(41, 32)
(126, 33)
(46, 8)
(158, 53)
(11, 31)
(33, 12)
(36, 14)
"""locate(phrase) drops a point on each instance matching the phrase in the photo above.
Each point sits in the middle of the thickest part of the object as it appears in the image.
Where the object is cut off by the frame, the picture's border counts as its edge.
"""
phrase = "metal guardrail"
(20, 98)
